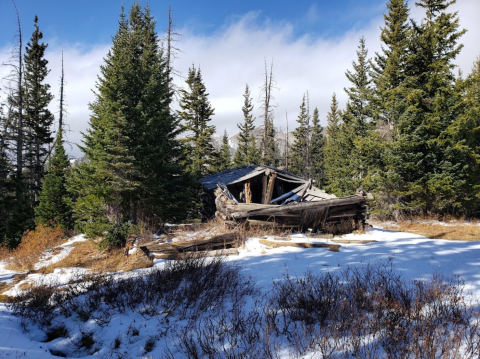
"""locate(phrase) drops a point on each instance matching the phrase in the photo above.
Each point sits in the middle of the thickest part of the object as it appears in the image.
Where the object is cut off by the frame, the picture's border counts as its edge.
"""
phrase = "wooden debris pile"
(265, 196)
(225, 244)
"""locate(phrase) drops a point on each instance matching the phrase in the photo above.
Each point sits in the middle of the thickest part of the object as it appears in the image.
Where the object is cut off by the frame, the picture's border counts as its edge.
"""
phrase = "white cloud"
(235, 55)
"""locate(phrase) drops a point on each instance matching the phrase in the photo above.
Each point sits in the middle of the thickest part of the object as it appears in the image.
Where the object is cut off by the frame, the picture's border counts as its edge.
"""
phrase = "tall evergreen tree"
(317, 151)
(272, 152)
(337, 151)
(358, 111)
(133, 171)
(38, 118)
(224, 158)
(299, 151)
(427, 173)
(196, 113)
(54, 205)
(246, 152)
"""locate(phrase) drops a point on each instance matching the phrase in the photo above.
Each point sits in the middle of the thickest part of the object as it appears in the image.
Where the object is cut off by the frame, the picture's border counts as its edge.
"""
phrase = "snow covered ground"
(414, 256)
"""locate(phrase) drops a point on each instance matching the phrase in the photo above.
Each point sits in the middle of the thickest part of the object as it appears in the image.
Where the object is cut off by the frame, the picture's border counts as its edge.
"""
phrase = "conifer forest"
(409, 133)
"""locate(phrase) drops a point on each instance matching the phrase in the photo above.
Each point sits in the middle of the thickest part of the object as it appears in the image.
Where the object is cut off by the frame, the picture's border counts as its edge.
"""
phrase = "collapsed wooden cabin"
(262, 195)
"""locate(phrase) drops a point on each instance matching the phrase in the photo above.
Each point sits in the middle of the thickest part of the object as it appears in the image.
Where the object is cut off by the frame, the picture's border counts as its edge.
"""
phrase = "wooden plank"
(264, 188)
(271, 184)
(248, 192)
(352, 241)
(255, 222)
(215, 253)
(274, 210)
(320, 235)
(330, 247)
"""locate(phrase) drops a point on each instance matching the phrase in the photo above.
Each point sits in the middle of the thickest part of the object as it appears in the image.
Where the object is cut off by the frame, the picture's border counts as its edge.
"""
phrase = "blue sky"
(91, 21)
(311, 45)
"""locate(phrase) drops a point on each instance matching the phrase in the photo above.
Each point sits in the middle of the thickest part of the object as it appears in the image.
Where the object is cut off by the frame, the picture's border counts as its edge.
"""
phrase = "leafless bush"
(370, 311)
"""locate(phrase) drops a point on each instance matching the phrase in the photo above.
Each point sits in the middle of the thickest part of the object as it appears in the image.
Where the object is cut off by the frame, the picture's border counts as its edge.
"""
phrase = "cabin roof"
(243, 173)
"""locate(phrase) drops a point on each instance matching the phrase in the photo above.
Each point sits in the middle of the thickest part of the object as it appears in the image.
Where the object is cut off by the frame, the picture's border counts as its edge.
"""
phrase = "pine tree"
(224, 158)
(338, 146)
(53, 207)
(38, 118)
(299, 151)
(133, 172)
(317, 151)
(196, 113)
(272, 153)
(422, 160)
(358, 111)
(245, 152)
(349, 169)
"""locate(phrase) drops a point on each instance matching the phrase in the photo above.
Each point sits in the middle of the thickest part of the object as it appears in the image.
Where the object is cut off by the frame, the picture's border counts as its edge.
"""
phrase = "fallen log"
(224, 241)
(330, 247)
(202, 254)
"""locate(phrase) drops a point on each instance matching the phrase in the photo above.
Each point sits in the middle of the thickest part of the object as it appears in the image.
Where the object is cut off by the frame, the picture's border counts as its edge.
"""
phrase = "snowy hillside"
(142, 331)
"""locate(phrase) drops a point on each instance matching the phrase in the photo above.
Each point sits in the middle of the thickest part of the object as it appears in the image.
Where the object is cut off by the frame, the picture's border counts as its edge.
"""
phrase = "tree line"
(409, 132)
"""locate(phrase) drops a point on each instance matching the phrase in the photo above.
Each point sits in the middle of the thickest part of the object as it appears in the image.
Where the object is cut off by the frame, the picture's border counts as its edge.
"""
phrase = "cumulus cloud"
(235, 55)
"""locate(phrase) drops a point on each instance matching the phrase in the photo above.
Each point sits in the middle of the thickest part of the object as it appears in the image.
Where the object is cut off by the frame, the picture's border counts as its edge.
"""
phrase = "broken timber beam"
(248, 192)
(274, 210)
(271, 183)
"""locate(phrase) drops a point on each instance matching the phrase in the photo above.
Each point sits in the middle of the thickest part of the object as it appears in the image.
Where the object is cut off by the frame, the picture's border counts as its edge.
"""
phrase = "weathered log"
(352, 241)
(269, 194)
(202, 254)
(255, 222)
(248, 192)
(330, 247)
(298, 207)
(217, 242)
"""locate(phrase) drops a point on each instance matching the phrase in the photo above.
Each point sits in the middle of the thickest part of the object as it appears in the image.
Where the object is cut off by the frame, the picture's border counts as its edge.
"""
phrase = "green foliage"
(317, 151)
(54, 204)
(116, 236)
(224, 158)
(247, 152)
(133, 171)
(300, 149)
(38, 118)
(196, 113)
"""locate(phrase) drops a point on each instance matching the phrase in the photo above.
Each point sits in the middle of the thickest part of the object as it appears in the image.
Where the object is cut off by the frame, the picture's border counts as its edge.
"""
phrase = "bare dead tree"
(16, 96)
(267, 106)
(286, 143)
(171, 51)
(62, 99)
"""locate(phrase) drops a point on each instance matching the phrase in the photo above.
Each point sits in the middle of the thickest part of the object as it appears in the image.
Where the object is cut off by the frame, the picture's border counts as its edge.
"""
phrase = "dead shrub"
(86, 255)
(363, 312)
(32, 246)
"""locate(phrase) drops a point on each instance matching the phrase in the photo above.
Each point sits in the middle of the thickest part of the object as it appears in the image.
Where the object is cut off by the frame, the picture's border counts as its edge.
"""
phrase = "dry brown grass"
(32, 246)
(456, 231)
(86, 255)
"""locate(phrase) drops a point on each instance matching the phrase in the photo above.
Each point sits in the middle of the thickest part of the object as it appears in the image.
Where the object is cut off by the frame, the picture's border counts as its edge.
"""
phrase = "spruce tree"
(272, 152)
(196, 113)
(133, 172)
(246, 152)
(299, 151)
(422, 159)
(338, 146)
(349, 170)
(317, 151)
(224, 158)
(54, 205)
(38, 118)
